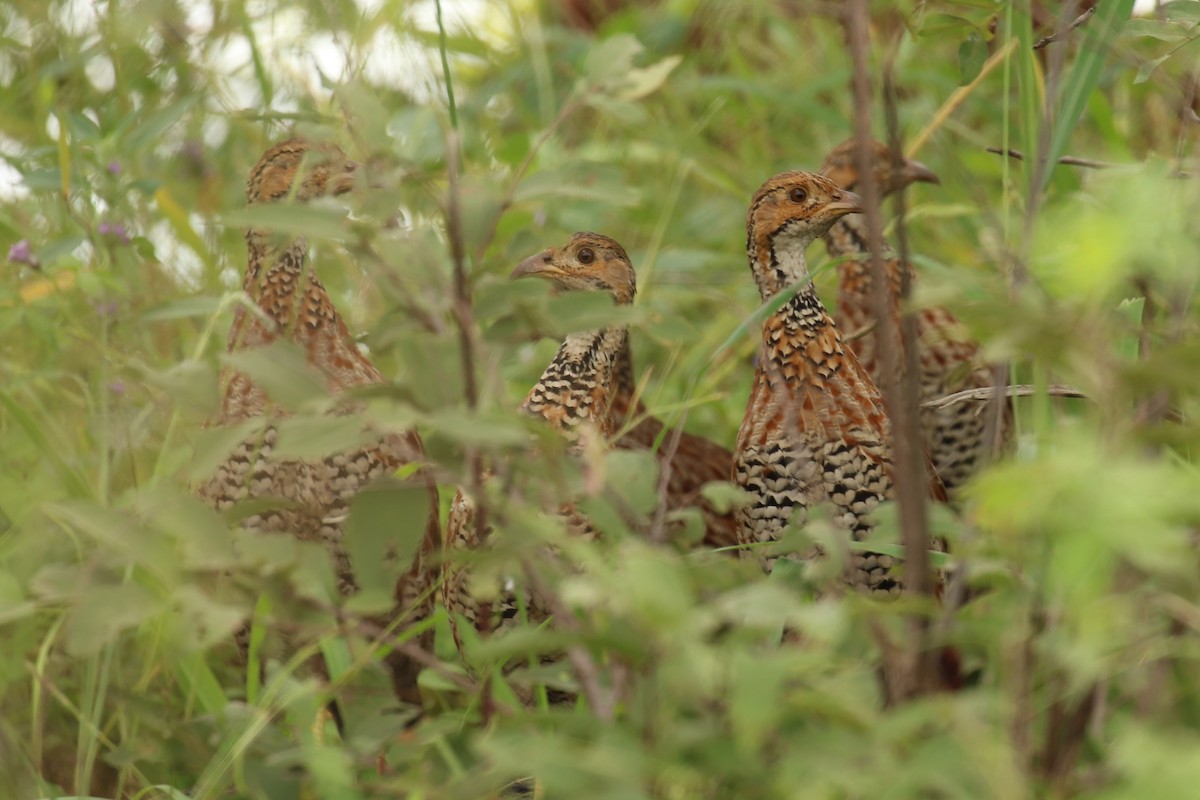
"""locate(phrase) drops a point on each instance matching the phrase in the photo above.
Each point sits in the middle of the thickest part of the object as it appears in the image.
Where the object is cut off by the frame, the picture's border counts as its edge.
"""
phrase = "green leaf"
(192, 385)
(363, 106)
(282, 370)
(324, 218)
(201, 622)
(497, 428)
(187, 308)
(1096, 48)
(946, 25)
(972, 54)
(385, 530)
(211, 447)
(577, 182)
(150, 131)
(417, 136)
(313, 437)
(82, 128)
(640, 82)
(103, 612)
(724, 496)
(1155, 29)
(118, 534)
(200, 534)
(612, 58)
(1181, 10)
(633, 475)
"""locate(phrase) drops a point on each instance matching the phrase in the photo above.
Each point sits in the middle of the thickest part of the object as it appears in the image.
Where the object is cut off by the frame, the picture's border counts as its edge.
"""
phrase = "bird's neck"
(624, 405)
(579, 384)
(805, 315)
(292, 299)
(779, 264)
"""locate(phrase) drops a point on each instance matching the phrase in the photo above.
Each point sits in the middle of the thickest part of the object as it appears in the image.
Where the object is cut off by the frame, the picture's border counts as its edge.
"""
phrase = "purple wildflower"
(117, 387)
(114, 167)
(105, 308)
(115, 230)
(22, 253)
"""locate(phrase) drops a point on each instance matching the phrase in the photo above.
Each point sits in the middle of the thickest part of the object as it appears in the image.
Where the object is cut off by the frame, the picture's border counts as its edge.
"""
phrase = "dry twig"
(1060, 35)
(910, 476)
(603, 704)
(1070, 161)
(1013, 390)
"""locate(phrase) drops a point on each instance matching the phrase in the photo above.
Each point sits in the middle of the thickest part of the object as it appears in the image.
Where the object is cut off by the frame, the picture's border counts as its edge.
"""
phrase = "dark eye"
(798, 195)
(585, 255)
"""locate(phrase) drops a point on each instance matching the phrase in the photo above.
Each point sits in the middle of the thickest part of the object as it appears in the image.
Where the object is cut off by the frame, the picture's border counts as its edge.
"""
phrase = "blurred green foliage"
(127, 130)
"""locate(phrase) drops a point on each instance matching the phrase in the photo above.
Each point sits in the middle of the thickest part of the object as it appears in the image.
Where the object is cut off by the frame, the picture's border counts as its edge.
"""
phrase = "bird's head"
(321, 168)
(787, 213)
(892, 171)
(587, 262)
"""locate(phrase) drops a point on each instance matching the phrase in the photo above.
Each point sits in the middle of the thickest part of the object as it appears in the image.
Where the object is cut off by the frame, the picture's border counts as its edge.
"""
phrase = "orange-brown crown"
(892, 171)
(588, 262)
(323, 169)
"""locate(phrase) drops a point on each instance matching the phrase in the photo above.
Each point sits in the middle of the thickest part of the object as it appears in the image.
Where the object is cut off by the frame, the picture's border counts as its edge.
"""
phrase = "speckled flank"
(815, 432)
(948, 360)
(315, 494)
(575, 392)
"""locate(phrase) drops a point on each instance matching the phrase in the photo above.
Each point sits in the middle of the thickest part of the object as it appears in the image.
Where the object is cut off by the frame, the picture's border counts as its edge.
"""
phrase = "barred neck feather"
(579, 385)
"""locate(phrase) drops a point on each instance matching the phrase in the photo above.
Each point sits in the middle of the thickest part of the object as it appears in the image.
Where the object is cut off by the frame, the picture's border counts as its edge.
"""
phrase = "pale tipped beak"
(541, 266)
(916, 172)
(850, 203)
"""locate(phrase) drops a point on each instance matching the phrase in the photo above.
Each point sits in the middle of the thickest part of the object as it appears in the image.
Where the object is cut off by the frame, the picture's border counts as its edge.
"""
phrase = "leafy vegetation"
(128, 128)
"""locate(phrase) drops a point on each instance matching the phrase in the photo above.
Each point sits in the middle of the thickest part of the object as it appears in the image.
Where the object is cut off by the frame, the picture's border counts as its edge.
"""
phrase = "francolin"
(815, 431)
(311, 498)
(575, 396)
(694, 462)
(948, 360)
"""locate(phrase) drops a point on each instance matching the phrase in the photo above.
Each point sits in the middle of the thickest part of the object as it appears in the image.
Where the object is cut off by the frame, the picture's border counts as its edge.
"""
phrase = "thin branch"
(442, 49)
(603, 704)
(1013, 390)
(569, 108)
(428, 321)
(1060, 35)
(658, 527)
(1070, 161)
(910, 474)
(420, 655)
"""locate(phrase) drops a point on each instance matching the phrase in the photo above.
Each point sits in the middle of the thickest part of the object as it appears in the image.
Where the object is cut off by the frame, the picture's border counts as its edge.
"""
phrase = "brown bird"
(815, 430)
(575, 392)
(695, 461)
(314, 495)
(949, 361)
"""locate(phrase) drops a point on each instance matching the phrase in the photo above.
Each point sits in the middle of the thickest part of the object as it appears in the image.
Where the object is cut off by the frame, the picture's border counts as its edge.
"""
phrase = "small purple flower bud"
(117, 387)
(22, 253)
(114, 167)
(105, 308)
(115, 230)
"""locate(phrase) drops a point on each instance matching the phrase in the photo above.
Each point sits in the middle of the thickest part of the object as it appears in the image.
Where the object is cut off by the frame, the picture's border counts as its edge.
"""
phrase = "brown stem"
(603, 704)
(1059, 35)
(1070, 161)
(910, 473)
(991, 392)
(658, 527)
(466, 337)
(414, 309)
